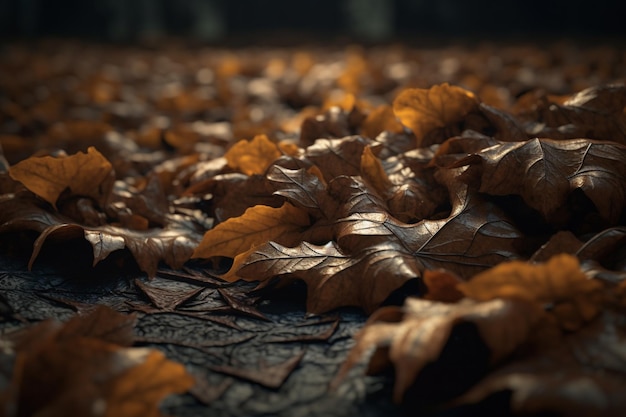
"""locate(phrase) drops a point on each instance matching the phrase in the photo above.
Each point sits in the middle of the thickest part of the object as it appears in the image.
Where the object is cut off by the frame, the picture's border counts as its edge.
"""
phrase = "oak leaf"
(86, 174)
(424, 110)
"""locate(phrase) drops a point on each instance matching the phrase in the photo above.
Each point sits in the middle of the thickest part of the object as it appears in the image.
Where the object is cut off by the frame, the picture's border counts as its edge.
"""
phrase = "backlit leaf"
(257, 225)
(252, 157)
(560, 283)
(424, 110)
(85, 174)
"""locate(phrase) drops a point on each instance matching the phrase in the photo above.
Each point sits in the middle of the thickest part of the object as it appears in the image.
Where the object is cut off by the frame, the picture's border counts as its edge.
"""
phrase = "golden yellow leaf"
(138, 391)
(559, 284)
(373, 172)
(252, 157)
(257, 225)
(442, 285)
(379, 120)
(87, 174)
(423, 110)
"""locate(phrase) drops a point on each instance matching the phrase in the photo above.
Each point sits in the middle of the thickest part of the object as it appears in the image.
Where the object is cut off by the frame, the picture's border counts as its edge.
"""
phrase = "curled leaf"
(253, 157)
(85, 174)
(424, 110)
(559, 283)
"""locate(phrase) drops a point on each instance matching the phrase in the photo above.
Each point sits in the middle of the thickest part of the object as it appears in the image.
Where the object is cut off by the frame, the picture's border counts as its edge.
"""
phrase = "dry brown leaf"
(559, 284)
(373, 172)
(411, 337)
(85, 174)
(259, 224)
(253, 157)
(270, 376)
(380, 120)
(424, 110)
(78, 368)
(580, 375)
(544, 172)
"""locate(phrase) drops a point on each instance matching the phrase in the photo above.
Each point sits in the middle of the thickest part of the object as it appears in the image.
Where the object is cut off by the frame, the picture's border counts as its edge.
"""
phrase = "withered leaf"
(379, 120)
(581, 375)
(373, 172)
(135, 392)
(303, 189)
(166, 299)
(594, 113)
(257, 225)
(544, 172)
(336, 157)
(241, 306)
(334, 279)
(253, 157)
(86, 174)
(270, 376)
(424, 110)
(411, 337)
(474, 237)
(78, 367)
(560, 283)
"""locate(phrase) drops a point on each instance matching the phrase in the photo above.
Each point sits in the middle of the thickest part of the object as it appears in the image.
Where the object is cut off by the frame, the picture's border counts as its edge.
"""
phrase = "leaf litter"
(503, 205)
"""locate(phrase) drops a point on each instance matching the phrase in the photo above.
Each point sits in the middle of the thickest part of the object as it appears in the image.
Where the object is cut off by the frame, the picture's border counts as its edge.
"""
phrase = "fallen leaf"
(136, 391)
(270, 376)
(581, 375)
(424, 110)
(257, 225)
(89, 175)
(411, 337)
(166, 299)
(442, 286)
(253, 157)
(379, 120)
(334, 279)
(79, 367)
(373, 172)
(560, 284)
(544, 172)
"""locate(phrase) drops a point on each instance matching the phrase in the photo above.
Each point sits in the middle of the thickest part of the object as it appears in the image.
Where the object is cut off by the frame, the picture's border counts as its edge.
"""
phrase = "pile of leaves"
(498, 222)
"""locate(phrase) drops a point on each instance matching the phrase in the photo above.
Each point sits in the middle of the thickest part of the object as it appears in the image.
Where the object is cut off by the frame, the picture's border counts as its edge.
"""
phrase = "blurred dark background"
(293, 20)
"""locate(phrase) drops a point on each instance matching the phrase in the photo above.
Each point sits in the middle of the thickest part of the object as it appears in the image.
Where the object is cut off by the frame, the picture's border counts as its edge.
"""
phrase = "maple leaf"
(425, 110)
(413, 336)
(253, 157)
(559, 283)
(544, 172)
(87, 174)
(257, 225)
